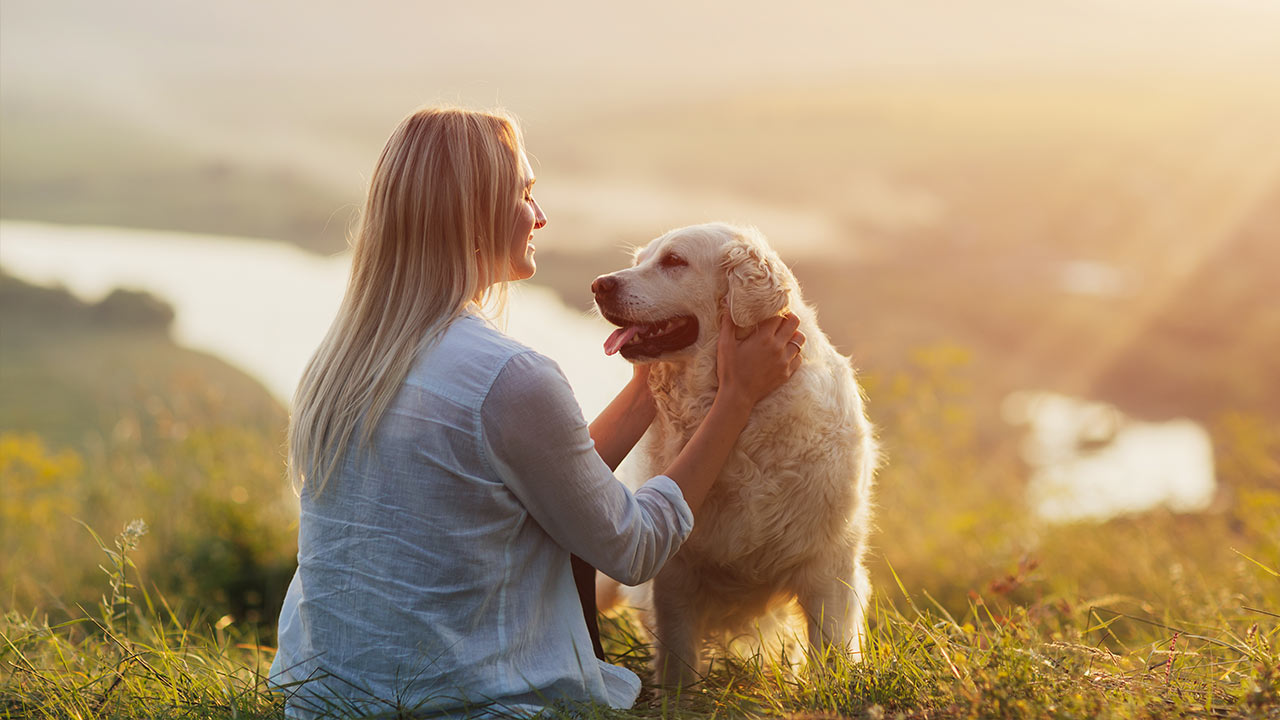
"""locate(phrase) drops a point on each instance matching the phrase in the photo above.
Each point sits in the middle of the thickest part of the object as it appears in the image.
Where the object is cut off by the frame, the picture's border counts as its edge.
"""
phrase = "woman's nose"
(539, 217)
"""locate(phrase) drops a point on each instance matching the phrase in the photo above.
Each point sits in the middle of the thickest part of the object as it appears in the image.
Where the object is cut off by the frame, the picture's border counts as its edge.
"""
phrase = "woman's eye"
(672, 260)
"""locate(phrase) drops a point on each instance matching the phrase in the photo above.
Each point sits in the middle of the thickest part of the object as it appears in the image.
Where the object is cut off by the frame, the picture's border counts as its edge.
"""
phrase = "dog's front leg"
(676, 657)
(861, 598)
(835, 608)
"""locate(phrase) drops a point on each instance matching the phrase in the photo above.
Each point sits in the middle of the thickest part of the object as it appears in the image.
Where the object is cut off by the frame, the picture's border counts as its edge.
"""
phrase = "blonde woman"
(446, 473)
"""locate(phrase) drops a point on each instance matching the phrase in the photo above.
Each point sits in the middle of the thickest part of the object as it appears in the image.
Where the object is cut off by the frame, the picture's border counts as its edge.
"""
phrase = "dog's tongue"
(620, 337)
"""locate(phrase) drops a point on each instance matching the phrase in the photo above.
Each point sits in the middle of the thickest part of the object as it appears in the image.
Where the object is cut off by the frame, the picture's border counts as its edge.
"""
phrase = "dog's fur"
(790, 514)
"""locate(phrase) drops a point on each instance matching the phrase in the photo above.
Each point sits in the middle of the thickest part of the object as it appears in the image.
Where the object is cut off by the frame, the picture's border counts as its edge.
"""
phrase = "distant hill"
(59, 168)
(71, 370)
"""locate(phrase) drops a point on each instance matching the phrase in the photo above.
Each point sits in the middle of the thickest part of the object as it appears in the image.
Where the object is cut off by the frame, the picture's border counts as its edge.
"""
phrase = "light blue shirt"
(433, 570)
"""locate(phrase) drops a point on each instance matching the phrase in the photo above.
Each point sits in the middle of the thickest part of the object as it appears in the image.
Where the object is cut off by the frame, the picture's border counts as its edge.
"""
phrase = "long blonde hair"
(432, 240)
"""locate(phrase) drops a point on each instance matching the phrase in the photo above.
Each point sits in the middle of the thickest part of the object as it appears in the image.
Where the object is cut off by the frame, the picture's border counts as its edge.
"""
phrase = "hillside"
(70, 370)
(103, 420)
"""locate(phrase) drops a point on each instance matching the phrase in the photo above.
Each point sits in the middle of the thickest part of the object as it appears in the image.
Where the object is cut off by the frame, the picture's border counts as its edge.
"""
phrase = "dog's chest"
(785, 494)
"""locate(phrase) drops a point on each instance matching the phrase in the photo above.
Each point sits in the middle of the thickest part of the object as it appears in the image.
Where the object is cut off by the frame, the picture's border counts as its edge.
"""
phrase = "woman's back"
(423, 581)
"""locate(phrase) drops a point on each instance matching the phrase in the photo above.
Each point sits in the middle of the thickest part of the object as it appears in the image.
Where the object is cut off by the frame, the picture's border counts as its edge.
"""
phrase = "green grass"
(978, 610)
(134, 656)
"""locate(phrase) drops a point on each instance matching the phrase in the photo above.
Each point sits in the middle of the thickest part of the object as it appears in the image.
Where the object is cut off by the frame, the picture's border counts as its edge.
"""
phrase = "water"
(1090, 462)
(264, 306)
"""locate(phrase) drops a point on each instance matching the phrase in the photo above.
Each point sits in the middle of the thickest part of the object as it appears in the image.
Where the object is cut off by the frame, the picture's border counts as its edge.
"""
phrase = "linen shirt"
(433, 570)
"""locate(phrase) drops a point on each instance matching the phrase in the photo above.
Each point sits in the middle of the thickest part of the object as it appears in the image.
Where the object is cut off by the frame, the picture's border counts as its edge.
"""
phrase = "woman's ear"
(757, 282)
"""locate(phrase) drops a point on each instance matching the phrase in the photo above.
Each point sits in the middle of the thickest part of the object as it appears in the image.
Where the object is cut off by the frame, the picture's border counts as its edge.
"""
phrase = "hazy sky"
(217, 74)
(664, 41)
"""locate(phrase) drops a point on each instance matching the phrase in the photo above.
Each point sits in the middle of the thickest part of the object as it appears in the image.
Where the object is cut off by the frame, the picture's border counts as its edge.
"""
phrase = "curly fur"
(789, 516)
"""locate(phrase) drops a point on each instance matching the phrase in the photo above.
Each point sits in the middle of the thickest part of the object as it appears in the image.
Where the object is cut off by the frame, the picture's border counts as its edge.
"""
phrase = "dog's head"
(670, 301)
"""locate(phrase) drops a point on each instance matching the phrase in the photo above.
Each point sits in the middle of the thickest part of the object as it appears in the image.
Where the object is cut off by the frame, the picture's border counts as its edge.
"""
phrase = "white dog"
(788, 517)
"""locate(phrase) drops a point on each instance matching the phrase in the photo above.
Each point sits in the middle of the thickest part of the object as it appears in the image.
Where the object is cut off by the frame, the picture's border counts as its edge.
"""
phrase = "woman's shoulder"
(476, 334)
(509, 363)
(475, 331)
(471, 348)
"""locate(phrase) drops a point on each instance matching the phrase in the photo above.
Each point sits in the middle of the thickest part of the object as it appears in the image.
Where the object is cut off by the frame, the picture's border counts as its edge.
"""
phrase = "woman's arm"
(620, 425)
(615, 432)
(539, 444)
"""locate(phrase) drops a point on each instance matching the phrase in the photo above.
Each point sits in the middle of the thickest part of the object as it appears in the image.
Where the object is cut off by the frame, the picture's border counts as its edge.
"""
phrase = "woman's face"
(529, 217)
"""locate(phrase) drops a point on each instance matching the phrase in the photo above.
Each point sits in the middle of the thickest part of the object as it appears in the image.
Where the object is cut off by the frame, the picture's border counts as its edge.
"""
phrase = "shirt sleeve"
(540, 447)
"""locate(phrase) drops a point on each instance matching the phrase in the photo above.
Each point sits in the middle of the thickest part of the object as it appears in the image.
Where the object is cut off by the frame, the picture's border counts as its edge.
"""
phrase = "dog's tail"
(613, 595)
(608, 592)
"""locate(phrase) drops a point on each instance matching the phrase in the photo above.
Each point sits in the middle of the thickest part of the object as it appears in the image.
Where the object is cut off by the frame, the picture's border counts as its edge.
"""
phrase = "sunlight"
(1191, 218)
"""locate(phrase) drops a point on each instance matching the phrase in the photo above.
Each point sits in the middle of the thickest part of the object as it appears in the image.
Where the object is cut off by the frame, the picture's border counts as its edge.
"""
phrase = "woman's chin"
(524, 271)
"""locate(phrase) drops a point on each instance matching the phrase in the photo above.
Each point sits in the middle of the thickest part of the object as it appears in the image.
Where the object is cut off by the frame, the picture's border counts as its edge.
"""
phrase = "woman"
(445, 471)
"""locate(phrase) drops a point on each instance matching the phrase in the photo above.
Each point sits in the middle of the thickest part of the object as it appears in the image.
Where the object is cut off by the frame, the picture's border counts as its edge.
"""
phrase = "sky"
(673, 42)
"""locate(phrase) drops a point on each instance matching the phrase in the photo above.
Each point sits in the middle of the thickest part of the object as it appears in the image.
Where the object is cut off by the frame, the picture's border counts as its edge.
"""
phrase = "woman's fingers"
(763, 360)
(730, 331)
(782, 329)
(788, 325)
(797, 341)
(780, 326)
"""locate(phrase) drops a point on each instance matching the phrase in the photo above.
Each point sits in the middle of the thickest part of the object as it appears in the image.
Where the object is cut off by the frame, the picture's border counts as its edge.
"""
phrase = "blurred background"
(1045, 232)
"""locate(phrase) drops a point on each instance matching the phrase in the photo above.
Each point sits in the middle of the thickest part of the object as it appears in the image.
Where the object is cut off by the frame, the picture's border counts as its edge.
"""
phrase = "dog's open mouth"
(652, 339)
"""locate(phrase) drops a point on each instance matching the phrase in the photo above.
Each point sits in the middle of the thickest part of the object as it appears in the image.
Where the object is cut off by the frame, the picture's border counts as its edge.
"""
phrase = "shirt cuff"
(667, 488)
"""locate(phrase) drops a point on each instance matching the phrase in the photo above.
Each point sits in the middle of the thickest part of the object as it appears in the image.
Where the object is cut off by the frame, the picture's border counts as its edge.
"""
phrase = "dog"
(789, 516)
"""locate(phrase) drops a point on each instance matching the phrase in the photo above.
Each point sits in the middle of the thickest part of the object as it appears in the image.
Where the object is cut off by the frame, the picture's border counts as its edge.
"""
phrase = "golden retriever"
(789, 516)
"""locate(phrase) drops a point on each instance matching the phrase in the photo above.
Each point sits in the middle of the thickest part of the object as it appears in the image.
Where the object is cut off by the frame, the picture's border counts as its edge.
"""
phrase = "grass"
(978, 611)
(130, 659)
(137, 657)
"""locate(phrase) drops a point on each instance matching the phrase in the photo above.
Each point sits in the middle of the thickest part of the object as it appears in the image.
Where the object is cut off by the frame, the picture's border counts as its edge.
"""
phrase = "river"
(264, 306)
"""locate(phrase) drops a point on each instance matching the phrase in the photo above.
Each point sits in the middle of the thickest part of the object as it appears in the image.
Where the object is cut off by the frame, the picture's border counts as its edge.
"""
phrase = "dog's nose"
(604, 285)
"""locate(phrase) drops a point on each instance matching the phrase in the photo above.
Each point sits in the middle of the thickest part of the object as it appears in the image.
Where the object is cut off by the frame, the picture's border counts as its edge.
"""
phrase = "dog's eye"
(672, 260)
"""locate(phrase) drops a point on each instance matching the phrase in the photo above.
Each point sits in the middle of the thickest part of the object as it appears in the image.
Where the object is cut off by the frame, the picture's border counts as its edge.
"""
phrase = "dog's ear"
(758, 287)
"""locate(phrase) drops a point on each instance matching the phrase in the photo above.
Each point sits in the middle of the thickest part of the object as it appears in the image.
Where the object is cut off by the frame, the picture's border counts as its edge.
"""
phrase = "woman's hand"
(754, 366)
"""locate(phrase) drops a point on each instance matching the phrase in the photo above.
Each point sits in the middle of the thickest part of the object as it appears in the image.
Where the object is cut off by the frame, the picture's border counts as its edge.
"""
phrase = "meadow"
(151, 591)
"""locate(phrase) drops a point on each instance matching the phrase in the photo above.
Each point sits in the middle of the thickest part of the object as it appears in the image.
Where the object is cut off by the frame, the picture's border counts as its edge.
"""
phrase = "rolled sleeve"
(540, 446)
